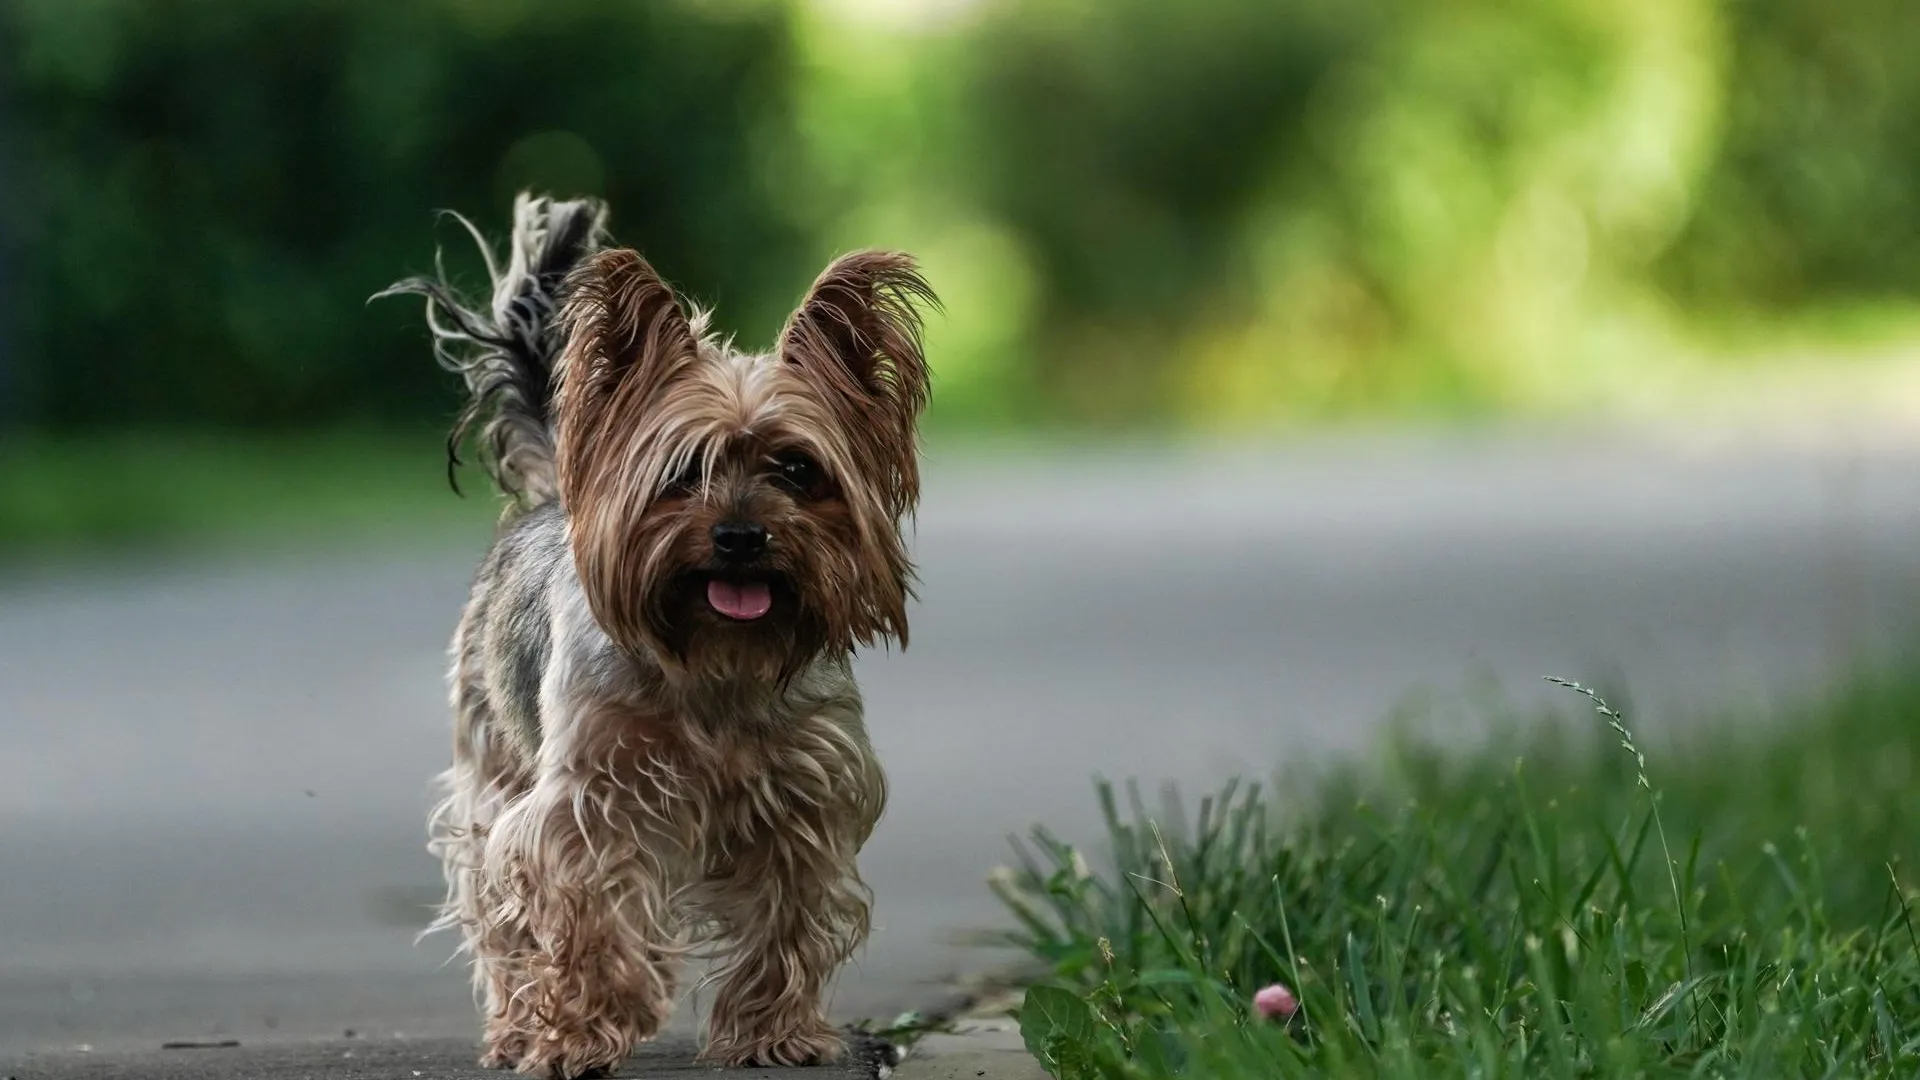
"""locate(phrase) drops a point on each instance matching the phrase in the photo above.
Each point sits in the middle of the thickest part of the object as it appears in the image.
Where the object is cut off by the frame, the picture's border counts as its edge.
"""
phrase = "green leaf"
(1053, 1019)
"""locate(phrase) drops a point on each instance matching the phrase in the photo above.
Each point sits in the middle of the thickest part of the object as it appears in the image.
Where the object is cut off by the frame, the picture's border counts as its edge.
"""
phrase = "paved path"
(212, 774)
(358, 1058)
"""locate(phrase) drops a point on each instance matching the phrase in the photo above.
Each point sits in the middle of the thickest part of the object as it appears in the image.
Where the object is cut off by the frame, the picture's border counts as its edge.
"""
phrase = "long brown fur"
(642, 397)
(638, 773)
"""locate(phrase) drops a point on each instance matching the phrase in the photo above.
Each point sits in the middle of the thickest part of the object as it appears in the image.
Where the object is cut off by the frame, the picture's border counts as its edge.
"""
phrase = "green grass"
(1738, 907)
(146, 490)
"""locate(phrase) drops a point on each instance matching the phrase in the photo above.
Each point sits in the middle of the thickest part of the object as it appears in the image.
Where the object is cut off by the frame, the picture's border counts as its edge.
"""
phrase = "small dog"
(658, 739)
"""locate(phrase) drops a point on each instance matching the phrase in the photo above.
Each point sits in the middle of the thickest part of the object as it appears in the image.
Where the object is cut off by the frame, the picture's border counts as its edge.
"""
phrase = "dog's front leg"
(570, 857)
(788, 898)
(793, 917)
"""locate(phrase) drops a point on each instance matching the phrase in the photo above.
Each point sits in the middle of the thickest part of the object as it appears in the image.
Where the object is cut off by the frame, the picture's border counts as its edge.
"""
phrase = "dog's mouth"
(741, 597)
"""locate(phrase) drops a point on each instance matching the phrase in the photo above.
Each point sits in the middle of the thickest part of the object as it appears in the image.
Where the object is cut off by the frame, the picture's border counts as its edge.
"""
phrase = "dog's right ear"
(627, 342)
(626, 333)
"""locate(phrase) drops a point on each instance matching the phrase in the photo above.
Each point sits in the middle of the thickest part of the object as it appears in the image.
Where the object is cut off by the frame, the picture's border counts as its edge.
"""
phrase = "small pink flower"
(1275, 1002)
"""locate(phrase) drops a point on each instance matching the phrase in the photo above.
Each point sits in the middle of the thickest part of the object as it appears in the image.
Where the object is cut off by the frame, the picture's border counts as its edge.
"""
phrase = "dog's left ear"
(859, 332)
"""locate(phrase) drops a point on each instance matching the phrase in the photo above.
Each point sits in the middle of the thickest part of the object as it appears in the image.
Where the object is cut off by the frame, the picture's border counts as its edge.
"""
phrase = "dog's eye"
(800, 474)
(687, 480)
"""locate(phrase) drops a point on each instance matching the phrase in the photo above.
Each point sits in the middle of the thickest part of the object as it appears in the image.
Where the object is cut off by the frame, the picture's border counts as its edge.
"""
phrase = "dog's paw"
(560, 1058)
(816, 1045)
(503, 1050)
(552, 1067)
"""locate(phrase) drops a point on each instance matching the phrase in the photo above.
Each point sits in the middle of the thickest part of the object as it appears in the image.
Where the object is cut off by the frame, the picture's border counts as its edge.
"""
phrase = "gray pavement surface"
(368, 1059)
(212, 771)
(976, 1049)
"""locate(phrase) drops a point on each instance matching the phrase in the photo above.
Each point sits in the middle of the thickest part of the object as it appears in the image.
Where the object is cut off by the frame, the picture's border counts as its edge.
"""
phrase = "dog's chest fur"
(529, 642)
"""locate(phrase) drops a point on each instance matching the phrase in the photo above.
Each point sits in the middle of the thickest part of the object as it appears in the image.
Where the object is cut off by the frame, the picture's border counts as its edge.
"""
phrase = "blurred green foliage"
(1220, 212)
(1814, 191)
(210, 191)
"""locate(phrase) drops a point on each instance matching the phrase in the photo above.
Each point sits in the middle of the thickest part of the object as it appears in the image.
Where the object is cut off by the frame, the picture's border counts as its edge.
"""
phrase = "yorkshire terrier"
(658, 740)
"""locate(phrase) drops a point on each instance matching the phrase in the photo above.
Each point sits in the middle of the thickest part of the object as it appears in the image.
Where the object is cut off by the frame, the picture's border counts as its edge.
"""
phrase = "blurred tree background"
(1221, 213)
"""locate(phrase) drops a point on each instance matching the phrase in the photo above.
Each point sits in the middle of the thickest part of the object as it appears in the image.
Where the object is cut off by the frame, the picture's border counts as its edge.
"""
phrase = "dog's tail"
(506, 352)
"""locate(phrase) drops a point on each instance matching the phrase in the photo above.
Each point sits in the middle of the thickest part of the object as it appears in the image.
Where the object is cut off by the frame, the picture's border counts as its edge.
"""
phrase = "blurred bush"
(1139, 212)
(1259, 206)
(206, 193)
(1813, 192)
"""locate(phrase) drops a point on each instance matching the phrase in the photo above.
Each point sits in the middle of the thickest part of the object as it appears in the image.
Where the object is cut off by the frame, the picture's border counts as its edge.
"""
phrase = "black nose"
(737, 541)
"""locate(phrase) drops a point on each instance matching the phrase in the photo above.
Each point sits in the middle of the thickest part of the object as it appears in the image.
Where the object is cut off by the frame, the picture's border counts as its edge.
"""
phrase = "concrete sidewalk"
(973, 1037)
(379, 1059)
(985, 1044)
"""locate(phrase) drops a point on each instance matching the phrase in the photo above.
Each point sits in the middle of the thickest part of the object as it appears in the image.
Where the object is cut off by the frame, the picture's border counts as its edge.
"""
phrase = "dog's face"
(740, 514)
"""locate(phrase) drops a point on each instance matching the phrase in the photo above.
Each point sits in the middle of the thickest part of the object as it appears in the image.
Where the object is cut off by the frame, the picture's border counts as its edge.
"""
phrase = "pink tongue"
(740, 600)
